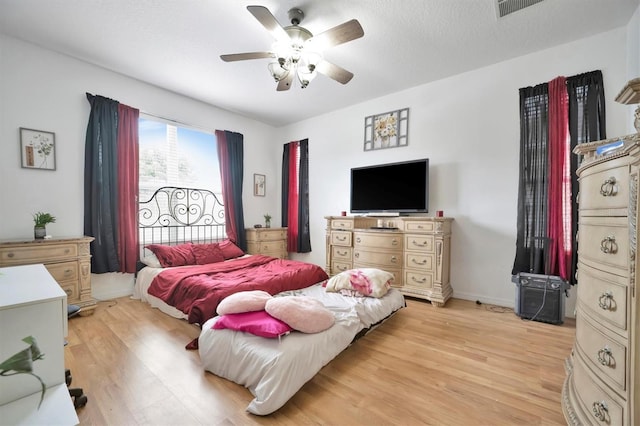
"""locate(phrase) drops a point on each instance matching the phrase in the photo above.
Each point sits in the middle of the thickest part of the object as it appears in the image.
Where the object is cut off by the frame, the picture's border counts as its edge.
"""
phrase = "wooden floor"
(464, 364)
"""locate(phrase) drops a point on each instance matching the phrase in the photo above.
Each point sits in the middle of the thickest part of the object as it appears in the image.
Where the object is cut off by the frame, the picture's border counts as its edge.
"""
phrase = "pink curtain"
(127, 154)
(227, 185)
(292, 202)
(559, 212)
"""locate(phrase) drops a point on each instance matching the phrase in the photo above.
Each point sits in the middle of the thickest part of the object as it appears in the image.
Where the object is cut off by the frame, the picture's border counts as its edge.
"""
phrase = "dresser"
(415, 249)
(602, 385)
(33, 314)
(68, 260)
(267, 241)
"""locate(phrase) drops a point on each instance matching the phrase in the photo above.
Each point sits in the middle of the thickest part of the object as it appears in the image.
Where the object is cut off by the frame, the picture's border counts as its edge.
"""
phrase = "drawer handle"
(424, 261)
(341, 253)
(418, 281)
(341, 268)
(358, 240)
(394, 242)
(356, 255)
(415, 243)
(10, 255)
(394, 259)
(600, 410)
(605, 357)
(605, 301)
(608, 187)
(608, 245)
(339, 238)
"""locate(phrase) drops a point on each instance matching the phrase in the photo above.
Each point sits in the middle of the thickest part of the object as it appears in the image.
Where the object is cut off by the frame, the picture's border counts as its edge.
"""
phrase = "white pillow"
(301, 313)
(151, 261)
(366, 281)
(243, 301)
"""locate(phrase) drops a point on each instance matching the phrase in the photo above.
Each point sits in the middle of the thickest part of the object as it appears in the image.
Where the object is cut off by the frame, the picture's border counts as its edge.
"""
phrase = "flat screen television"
(391, 188)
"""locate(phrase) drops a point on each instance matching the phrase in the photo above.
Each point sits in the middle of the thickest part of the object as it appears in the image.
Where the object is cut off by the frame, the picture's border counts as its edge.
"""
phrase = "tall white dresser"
(32, 304)
(602, 386)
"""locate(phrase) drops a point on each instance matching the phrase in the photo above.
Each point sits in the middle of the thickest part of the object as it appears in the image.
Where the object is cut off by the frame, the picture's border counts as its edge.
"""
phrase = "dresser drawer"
(604, 243)
(603, 354)
(381, 240)
(419, 262)
(37, 254)
(73, 294)
(266, 246)
(418, 280)
(337, 267)
(418, 242)
(65, 271)
(420, 226)
(378, 258)
(343, 224)
(604, 296)
(267, 234)
(593, 395)
(605, 186)
(340, 253)
(341, 238)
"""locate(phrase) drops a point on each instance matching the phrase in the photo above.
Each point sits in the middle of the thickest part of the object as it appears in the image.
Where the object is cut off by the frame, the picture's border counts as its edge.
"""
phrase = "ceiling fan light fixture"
(306, 74)
(279, 69)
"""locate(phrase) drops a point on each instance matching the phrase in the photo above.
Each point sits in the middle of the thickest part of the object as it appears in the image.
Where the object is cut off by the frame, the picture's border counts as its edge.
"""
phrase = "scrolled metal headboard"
(174, 215)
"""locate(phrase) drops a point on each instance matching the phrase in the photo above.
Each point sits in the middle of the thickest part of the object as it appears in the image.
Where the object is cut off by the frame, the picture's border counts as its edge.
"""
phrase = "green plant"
(41, 219)
(267, 217)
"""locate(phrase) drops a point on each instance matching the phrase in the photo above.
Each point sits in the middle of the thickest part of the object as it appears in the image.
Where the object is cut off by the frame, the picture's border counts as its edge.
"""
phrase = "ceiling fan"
(297, 52)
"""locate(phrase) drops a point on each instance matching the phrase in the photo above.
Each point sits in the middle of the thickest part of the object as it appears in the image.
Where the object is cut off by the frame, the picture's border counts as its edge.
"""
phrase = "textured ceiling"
(176, 44)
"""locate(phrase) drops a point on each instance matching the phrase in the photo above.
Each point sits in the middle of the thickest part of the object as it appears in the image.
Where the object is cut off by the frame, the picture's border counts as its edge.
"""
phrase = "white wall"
(43, 90)
(468, 126)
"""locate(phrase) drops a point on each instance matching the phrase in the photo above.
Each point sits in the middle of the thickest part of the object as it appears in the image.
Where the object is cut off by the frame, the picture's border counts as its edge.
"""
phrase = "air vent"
(506, 7)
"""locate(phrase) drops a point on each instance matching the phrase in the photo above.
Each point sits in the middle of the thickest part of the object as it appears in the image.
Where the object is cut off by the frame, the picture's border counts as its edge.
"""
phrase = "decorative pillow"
(259, 323)
(243, 301)
(179, 255)
(151, 261)
(230, 250)
(304, 314)
(367, 281)
(207, 253)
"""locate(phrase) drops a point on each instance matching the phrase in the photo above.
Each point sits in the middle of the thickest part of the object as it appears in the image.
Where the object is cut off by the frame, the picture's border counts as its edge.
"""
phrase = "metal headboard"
(175, 215)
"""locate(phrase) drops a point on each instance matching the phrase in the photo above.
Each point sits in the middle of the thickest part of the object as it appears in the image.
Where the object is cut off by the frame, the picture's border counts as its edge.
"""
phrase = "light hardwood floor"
(464, 364)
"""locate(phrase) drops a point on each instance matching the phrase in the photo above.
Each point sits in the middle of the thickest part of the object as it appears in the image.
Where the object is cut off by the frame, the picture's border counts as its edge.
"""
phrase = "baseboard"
(111, 285)
(507, 303)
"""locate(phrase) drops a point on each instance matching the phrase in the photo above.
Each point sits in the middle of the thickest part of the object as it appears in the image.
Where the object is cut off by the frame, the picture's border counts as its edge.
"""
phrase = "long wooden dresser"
(68, 260)
(415, 249)
(602, 385)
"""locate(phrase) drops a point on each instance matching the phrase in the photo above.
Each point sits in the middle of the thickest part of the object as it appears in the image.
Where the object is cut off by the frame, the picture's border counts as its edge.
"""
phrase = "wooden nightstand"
(267, 241)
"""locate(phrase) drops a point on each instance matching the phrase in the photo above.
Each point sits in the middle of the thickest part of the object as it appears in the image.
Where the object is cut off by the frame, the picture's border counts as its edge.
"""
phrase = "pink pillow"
(230, 250)
(179, 255)
(243, 301)
(304, 314)
(259, 323)
(207, 253)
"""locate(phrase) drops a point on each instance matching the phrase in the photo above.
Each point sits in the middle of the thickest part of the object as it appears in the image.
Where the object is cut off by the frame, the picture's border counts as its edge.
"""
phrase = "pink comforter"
(197, 290)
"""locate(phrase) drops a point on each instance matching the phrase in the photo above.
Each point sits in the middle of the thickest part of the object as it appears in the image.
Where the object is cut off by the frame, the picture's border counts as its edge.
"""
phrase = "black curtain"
(531, 239)
(100, 184)
(284, 203)
(304, 235)
(587, 123)
(236, 167)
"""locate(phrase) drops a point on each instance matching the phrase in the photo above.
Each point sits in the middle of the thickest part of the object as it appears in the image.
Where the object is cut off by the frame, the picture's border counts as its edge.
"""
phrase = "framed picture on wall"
(37, 149)
(386, 130)
(259, 185)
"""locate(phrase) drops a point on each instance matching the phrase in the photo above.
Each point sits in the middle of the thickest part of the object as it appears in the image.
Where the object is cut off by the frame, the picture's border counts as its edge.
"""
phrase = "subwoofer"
(540, 297)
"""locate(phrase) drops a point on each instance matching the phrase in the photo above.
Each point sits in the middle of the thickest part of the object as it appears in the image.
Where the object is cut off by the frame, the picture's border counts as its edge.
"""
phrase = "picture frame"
(386, 130)
(259, 185)
(37, 149)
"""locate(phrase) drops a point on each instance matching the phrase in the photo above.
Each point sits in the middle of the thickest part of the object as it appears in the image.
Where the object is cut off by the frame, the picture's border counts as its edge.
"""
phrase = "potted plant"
(267, 220)
(40, 220)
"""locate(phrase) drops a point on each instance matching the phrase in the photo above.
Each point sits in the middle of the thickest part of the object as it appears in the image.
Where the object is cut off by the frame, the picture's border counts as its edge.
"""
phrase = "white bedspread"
(275, 369)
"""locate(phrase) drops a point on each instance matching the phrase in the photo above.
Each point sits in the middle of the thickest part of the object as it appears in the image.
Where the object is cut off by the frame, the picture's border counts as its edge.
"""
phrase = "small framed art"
(38, 149)
(386, 130)
(259, 185)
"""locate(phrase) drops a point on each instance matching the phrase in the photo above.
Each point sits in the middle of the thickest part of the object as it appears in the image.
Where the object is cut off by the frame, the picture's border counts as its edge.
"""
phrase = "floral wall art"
(38, 149)
(386, 130)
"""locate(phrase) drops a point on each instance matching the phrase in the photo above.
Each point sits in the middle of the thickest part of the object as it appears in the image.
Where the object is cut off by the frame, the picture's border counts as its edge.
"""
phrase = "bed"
(275, 369)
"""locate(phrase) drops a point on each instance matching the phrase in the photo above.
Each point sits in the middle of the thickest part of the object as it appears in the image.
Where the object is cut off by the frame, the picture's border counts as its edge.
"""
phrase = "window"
(172, 155)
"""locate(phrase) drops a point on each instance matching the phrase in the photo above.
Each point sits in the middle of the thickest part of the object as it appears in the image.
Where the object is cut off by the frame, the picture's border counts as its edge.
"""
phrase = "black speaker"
(540, 297)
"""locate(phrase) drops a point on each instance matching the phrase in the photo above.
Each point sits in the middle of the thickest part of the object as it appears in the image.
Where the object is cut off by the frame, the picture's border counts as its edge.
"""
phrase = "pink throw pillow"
(301, 313)
(243, 301)
(259, 323)
(230, 250)
(179, 255)
(207, 253)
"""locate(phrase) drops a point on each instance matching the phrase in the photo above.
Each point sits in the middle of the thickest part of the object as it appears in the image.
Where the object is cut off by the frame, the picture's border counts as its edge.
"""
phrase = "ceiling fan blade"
(342, 33)
(285, 83)
(335, 72)
(269, 21)
(246, 56)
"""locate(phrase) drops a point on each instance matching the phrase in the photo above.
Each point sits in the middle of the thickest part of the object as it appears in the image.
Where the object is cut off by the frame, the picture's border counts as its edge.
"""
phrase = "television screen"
(395, 187)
